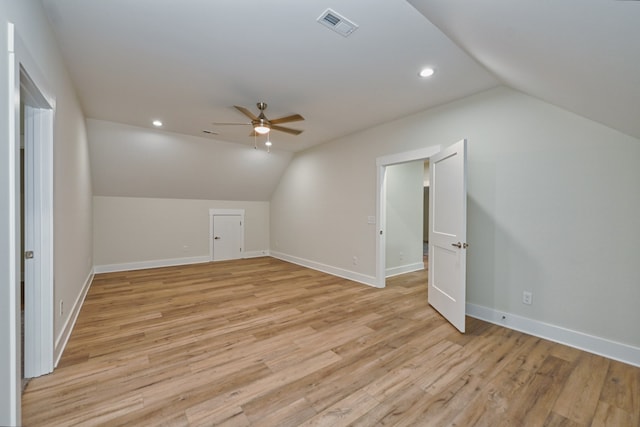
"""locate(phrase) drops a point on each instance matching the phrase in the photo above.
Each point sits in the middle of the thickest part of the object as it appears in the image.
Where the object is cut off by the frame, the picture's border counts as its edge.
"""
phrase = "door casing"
(381, 202)
(225, 212)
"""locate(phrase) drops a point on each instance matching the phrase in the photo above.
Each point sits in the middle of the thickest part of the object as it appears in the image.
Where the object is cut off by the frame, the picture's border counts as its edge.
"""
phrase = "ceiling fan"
(262, 125)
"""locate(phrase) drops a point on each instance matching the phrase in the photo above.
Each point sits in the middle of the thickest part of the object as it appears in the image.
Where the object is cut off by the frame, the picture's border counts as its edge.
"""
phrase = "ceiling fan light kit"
(261, 127)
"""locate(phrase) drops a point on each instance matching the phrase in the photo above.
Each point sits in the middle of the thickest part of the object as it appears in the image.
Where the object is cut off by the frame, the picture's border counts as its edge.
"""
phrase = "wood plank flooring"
(262, 342)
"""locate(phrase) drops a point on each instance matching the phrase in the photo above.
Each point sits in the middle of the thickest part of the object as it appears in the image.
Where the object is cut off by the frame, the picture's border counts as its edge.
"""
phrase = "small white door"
(37, 253)
(227, 237)
(31, 280)
(448, 233)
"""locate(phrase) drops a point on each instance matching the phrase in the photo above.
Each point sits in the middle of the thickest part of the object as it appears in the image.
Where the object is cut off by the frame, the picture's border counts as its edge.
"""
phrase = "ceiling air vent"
(337, 23)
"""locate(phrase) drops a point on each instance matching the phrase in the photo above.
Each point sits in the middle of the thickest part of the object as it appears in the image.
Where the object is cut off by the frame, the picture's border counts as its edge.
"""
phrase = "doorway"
(226, 234)
(404, 218)
(447, 226)
(381, 209)
(36, 224)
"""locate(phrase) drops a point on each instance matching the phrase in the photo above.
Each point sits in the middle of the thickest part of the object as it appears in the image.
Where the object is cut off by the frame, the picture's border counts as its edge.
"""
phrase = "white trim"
(590, 343)
(381, 218)
(408, 156)
(345, 274)
(256, 254)
(409, 268)
(381, 200)
(67, 328)
(214, 211)
(13, 387)
(142, 265)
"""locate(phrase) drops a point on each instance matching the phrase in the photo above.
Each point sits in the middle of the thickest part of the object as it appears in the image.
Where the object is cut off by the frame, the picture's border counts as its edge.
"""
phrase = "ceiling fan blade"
(287, 119)
(246, 112)
(286, 130)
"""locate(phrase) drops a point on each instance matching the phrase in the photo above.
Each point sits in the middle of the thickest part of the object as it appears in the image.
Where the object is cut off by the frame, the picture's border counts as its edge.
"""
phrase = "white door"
(227, 237)
(37, 253)
(30, 253)
(448, 233)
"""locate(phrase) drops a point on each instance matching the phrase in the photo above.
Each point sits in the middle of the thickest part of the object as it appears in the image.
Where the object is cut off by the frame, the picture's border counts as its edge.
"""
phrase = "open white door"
(448, 233)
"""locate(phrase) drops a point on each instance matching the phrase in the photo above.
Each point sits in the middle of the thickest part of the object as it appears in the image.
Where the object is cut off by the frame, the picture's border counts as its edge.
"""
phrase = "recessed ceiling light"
(426, 72)
(157, 123)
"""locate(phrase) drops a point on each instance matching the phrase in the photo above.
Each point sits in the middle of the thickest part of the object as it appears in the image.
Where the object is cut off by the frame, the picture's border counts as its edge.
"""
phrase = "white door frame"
(381, 201)
(225, 212)
(24, 73)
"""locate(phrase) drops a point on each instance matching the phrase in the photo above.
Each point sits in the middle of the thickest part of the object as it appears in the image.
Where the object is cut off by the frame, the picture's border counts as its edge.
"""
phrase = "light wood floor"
(266, 343)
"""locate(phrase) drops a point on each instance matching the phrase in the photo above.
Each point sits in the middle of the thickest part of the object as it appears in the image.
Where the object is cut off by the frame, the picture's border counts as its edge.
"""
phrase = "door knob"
(457, 245)
(216, 238)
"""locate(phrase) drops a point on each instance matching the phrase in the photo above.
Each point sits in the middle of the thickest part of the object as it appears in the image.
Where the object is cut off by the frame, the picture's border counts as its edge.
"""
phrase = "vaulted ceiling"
(581, 55)
(189, 62)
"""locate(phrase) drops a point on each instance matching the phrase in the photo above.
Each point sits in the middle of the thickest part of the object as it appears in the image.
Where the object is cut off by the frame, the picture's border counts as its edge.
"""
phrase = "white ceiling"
(188, 62)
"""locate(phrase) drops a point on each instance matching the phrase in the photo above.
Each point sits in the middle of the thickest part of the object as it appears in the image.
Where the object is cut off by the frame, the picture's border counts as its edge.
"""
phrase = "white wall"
(72, 183)
(404, 190)
(136, 231)
(552, 208)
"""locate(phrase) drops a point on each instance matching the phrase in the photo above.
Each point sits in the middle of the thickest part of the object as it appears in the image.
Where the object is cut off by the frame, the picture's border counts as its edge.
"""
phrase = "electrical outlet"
(355, 260)
(527, 297)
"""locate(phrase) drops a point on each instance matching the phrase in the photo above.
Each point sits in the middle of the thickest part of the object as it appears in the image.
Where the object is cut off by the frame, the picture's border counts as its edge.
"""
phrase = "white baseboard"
(255, 254)
(142, 265)
(63, 338)
(346, 274)
(409, 268)
(111, 268)
(592, 344)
